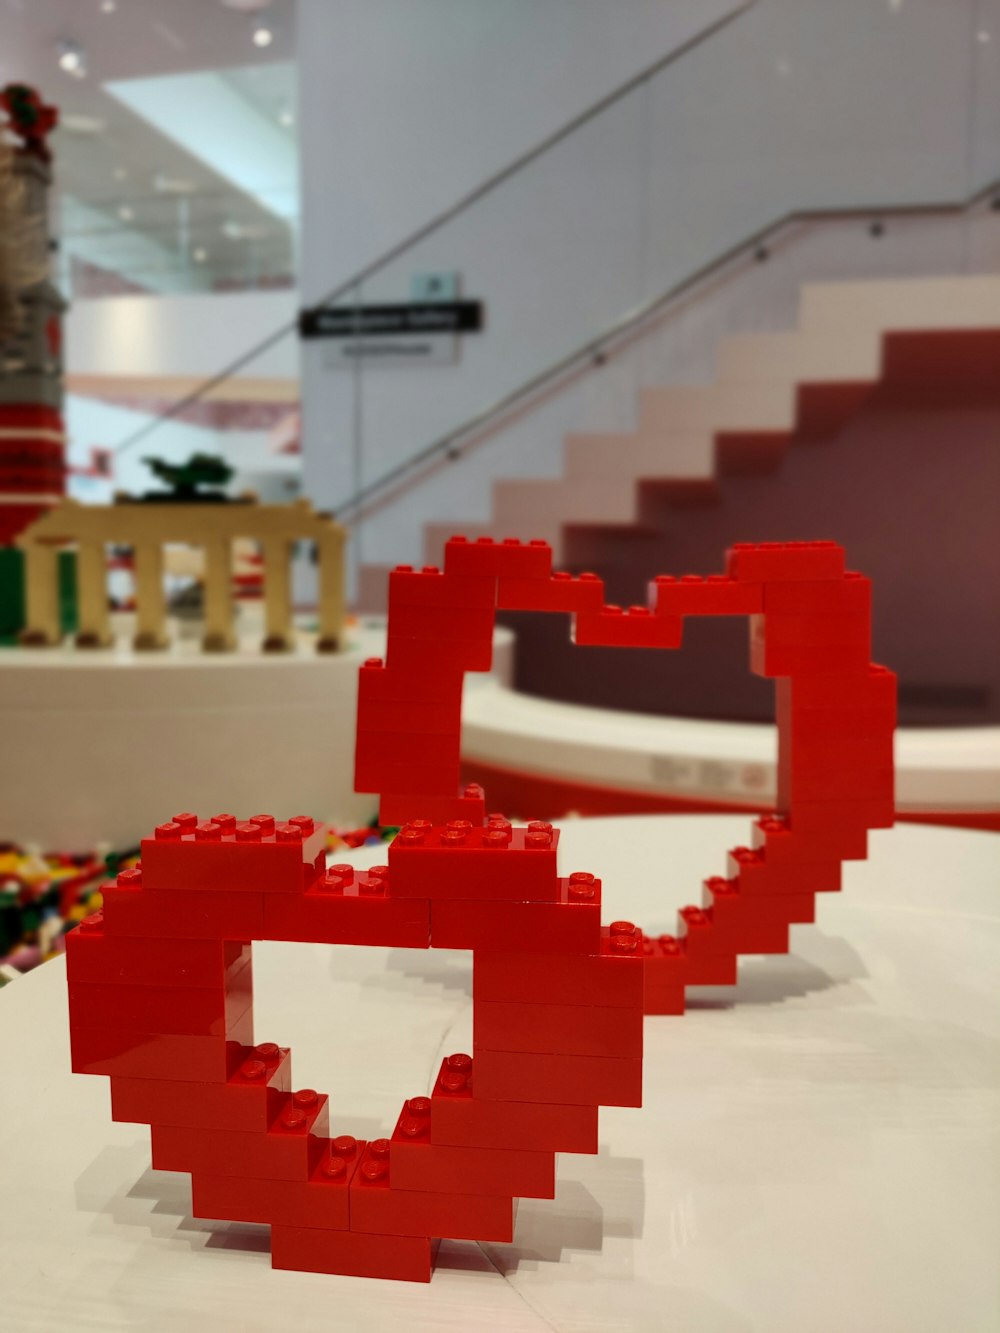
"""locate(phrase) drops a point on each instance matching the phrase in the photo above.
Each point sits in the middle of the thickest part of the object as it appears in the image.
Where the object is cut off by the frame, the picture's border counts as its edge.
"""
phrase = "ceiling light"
(108, 6)
(126, 213)
(263, 33)
(199, 255)
(982, 36)
(72, 59)
(120, 174)
(286, 117)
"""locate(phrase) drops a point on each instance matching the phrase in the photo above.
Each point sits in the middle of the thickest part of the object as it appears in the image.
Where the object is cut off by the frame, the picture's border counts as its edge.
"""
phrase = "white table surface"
(824, 1154)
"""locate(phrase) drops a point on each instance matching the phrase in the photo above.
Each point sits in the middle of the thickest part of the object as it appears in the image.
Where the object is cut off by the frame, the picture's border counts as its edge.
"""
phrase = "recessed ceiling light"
(108, 6)
(286, 117)
(982, 36)
(263, 33)
(199, 255)
(126, 213)
(72, 59)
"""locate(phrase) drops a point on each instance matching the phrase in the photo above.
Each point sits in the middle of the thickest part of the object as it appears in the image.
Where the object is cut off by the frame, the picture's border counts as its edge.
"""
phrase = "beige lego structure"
(148, 528)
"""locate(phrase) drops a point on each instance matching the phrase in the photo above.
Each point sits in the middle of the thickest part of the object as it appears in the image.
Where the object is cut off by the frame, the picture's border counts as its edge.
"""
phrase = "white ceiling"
(138, 200)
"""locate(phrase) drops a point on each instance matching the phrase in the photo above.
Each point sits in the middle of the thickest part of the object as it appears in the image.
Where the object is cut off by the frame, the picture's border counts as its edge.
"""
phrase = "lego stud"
(170, 832)
(208, 832)
(226, 824)
(582, 886)
(267, 1050)
(304, 822)
(129, 879)
(346, 1145)
(333, 1166)
(248, 833)
(287, 833)
(306, 1099)
(253, 1070)
(265, 823)
(185, 822)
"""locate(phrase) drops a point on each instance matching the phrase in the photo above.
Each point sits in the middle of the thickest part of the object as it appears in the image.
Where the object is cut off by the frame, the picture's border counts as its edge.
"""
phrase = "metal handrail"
(595, 350)
(439, 220)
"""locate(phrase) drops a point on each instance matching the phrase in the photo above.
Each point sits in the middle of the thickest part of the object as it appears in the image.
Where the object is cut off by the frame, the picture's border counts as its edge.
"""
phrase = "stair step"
(815, 356)
(540, 508)
(718, 407)
(670, 455)
(901, 304)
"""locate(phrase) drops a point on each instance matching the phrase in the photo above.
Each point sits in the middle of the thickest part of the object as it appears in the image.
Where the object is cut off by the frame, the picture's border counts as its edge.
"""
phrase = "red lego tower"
(32, 437)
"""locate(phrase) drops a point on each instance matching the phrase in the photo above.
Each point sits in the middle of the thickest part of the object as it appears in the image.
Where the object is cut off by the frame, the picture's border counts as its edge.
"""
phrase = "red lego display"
(160, 983)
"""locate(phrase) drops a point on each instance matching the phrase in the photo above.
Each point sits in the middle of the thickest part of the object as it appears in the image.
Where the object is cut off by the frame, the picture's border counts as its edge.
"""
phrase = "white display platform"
(944, 769)
(101, 745)
(819, 1157)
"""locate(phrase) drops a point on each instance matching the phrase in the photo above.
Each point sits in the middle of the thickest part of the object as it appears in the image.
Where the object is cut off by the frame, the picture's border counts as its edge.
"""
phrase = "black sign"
(373, 321)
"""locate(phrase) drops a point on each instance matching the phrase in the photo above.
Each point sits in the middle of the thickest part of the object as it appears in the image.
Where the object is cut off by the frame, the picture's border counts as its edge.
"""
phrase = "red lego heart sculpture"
(160, 982)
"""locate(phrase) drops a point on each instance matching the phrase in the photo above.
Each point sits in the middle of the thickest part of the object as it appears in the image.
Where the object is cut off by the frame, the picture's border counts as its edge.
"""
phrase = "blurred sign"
(417, 319)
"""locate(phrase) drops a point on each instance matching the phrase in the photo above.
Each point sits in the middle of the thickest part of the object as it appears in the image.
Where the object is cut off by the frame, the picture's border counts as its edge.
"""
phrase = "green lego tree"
(184, 479)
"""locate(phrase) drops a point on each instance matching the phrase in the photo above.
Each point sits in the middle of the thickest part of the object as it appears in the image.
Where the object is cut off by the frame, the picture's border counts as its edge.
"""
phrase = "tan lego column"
(94, 622)
(330, 562)
(150, 600)
(41, 579)
(218, 636)
(279, 636)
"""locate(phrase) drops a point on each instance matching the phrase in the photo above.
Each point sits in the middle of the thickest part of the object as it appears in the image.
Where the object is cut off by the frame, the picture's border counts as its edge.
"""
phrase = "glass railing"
(877, 115)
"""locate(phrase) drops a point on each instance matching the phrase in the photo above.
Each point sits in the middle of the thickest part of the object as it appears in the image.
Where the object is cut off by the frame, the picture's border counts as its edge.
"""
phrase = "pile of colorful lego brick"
(44, 896)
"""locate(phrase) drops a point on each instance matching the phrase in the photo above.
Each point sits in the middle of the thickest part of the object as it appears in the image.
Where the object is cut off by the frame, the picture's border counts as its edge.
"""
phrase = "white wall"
(191, 334)
(406, 103)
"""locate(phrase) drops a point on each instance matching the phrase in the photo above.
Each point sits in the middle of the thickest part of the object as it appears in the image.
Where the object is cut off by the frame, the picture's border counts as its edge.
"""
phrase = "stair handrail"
(598, 348)
(439, 220)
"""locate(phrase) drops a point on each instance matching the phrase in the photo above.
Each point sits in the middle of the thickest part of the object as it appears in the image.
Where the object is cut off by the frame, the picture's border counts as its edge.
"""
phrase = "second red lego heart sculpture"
(810, 630)
(160, 982)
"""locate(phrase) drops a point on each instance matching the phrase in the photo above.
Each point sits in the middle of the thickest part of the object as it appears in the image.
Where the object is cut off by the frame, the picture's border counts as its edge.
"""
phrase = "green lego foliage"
(199, 470)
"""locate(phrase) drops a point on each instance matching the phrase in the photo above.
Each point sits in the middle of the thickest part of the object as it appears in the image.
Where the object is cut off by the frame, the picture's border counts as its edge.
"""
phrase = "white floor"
(819, 1151)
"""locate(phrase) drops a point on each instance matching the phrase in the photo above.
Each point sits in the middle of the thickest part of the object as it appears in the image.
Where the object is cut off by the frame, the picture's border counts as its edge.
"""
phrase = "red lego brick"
(378, 686)
(772, 562)
(405, 804)
(636, 627)
(759, 876)
(459, 1118)
(415, 1163)
(428, 587)
(402, 717)
(829, 596)
(444, 624)
(322, 1201)
(378, 1207)
(669, 965)
(458, 860)
(611, 978)
(717, 595)
(249, 1100)
(576, 1079)
(571, 925)
(352, 1253)
(567, 1029)
(787, 846)
(343, 907)
(873, 688)
(769, 657)
(104, 1050)
(450, 654)
(507, 559)
(222, 855)
(705, 933)
(92, 955)
(132, 910)
(562, 592)
(289, 1149)
(170, 1009)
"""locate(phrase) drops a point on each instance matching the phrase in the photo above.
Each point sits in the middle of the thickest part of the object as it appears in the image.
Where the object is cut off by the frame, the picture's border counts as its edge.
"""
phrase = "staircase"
(771, 389)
